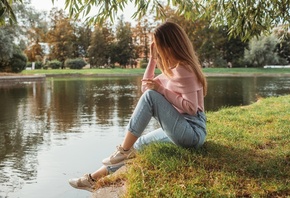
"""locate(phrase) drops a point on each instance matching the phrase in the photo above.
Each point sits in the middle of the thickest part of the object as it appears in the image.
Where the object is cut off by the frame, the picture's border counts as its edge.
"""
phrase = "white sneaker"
(85, 182)
(119, 156)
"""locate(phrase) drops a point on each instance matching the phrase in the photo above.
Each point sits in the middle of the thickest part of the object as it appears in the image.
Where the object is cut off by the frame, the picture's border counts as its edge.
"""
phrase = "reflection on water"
(236, 91)
(63, 127)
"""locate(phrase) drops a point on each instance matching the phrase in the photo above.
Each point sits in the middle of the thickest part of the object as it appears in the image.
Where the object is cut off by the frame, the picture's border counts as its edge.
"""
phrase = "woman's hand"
(150, 84)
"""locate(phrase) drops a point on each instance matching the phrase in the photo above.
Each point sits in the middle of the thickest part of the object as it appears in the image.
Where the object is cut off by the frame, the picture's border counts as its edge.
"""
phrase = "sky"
(46, 5)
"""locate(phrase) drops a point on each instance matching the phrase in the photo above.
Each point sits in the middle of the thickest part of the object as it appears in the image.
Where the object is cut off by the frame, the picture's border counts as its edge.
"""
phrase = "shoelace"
(116, 152)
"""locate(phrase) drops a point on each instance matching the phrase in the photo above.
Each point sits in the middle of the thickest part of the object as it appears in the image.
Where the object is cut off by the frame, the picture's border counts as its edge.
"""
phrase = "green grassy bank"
(247, 154)
(118, 71)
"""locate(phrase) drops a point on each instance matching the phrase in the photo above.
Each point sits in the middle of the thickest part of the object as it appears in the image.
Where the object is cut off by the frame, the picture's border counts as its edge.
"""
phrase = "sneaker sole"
(82, 188)
(116, 164)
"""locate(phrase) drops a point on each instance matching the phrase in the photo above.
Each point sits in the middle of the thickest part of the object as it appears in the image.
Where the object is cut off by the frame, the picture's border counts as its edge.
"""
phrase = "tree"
(124, 49)
(141, 38)
(213, 45)
(283, 48)
(15, 62)
(6, 43)
(83, 34)
(61, 37)
(34, 52)
(262, 52)
(243, 18)
(98, 49)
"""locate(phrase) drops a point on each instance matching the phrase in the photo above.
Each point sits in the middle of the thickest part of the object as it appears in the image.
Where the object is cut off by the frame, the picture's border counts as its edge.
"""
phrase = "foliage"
(124, 49)
(83, 34)
(61, 37)
(54, 64)
(34, 52)
(261, 51)
(243, 18)
(107, 48)
(6, 12)
(141, 38)
(283, 47)
(6, 43)
(143, 63)
(101, 42)
(16, 63)
(38, 64)
(77, 63)
(213, 45)
(246, 154)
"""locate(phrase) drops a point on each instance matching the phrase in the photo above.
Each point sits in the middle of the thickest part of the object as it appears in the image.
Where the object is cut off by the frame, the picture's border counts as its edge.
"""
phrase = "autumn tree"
(61, 37)
(34, 52)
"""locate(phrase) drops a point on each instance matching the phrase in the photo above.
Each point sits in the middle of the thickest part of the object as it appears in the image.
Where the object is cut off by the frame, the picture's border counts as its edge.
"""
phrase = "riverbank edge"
(39, 77)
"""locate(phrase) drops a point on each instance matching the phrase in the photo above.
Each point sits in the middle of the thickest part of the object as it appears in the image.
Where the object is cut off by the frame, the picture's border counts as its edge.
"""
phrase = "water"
(61, 128)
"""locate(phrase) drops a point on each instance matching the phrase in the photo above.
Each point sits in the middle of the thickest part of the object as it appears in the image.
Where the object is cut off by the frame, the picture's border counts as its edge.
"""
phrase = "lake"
(61, 128)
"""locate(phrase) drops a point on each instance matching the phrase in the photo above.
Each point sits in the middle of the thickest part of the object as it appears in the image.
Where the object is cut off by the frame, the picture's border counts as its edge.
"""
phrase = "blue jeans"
(181, 129)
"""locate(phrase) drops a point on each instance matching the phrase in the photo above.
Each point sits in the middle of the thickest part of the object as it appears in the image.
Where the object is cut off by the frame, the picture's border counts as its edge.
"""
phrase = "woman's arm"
(185, 103)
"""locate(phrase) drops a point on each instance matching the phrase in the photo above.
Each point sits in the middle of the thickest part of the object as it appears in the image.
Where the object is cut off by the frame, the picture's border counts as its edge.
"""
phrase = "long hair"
(173, 44)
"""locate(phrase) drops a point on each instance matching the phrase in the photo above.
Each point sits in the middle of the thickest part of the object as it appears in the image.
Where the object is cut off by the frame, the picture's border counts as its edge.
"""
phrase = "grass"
(247, 154)
(118, 71)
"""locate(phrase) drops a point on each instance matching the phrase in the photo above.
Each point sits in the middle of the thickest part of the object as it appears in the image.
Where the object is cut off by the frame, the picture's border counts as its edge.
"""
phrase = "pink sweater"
(182, 90)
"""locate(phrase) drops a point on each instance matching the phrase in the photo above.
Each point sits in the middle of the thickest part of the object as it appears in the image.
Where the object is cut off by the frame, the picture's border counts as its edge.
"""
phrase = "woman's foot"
(119, 156)
(85, 182)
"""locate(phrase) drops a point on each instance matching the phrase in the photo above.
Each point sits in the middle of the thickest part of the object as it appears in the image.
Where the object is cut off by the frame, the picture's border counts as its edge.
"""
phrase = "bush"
(54, 64)
(18, 62)
(15, 63)
(38, 65)
(77, 63)
(219, 62)
(143, 63)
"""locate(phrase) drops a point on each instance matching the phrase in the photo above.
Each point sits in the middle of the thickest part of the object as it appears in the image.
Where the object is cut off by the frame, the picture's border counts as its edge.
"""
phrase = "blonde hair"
(173, 44)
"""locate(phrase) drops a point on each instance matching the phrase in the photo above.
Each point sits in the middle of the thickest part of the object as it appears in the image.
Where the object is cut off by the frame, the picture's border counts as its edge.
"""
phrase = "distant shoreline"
(38, 77)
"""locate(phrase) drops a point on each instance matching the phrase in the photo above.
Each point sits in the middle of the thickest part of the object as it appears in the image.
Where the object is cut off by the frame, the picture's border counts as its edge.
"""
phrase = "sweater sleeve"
(184, 102)
(149, 72)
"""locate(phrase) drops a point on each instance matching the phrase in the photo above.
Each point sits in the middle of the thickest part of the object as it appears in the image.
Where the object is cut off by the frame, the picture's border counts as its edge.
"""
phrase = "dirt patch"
(112, 186)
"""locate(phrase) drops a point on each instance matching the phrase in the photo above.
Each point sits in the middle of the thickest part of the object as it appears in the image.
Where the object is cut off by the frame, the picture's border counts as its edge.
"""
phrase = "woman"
(175, 98)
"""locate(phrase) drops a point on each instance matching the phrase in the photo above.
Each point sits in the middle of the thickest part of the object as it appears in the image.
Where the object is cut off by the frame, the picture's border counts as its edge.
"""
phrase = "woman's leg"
(157, 135)
(175, 126)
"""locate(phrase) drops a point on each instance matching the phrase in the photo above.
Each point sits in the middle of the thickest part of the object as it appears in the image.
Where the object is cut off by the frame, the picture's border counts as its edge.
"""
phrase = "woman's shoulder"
(182, 71)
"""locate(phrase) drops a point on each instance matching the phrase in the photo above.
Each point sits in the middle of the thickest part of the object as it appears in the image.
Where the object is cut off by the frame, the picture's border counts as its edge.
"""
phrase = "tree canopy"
(244, 18)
